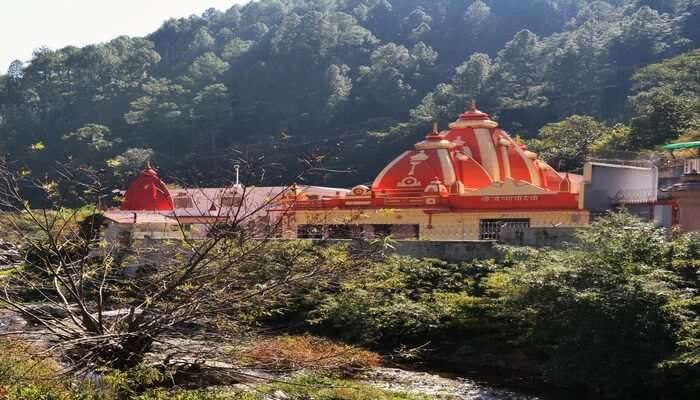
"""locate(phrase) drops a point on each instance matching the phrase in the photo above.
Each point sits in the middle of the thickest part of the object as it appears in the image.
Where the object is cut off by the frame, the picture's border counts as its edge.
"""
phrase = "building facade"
(465, 183)
(469, 182)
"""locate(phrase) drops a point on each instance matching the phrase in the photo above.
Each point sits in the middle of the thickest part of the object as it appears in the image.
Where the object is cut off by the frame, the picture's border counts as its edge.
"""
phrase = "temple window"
(231, 201)
(310, 232)
(490, 229)
(183, 201)
(397, 231)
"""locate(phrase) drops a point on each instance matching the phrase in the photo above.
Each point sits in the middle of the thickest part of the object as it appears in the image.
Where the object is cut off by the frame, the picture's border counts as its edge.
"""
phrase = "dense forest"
(353, 82)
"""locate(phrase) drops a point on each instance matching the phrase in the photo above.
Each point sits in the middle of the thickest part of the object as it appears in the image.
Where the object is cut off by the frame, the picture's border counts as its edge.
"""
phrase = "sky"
(29, 24)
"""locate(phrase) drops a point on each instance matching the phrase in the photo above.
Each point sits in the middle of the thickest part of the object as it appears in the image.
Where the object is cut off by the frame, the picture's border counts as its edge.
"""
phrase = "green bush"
(24, 376)
(402, 300)
(616, 314)
(606, 314)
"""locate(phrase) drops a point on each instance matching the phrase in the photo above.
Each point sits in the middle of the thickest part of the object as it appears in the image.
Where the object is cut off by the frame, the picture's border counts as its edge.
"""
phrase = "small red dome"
(147, 193)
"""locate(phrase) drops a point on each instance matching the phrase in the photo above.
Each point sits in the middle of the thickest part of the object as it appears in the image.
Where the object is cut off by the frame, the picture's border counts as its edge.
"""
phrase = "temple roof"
(147, 193)
(471, 155)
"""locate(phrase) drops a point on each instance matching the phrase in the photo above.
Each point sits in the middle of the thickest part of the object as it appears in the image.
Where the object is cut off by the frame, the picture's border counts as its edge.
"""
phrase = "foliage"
(25, 377)
(616, 313)
(27, 374)
(399, 301)
(201, 87)
(566, 144)
(105, 303)
(666, 99)
(599, 313)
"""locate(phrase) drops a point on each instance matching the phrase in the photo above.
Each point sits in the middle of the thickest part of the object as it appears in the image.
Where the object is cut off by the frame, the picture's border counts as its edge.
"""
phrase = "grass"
(317, 387)
(309, 353)
(27, 377)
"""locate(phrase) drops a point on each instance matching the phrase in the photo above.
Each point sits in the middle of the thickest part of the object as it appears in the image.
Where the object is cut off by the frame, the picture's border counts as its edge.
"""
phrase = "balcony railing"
(636, 196)
(691, 166)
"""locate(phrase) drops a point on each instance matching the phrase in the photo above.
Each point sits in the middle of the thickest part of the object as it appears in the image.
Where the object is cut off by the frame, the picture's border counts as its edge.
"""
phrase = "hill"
(349, 81)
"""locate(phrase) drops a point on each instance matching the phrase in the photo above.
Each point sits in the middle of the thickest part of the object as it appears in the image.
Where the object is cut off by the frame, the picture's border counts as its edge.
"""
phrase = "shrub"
(24, 376)
(401, 300)
(600, 313)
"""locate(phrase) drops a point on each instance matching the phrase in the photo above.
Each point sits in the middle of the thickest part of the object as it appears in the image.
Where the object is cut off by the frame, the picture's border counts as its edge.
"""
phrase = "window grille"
(183, 201)
(692, 166)
(231, 201)
(490, 229)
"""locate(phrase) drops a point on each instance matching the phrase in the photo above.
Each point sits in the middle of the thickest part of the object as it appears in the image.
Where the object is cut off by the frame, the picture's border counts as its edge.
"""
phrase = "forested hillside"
(355, 81)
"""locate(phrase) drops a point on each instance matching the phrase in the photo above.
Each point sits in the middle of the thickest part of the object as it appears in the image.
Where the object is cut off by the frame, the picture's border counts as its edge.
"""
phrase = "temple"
(469, 182)
(463, 183)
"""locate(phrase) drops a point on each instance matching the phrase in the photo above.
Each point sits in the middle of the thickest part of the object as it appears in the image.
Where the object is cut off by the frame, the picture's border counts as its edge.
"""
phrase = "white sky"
(28, 24)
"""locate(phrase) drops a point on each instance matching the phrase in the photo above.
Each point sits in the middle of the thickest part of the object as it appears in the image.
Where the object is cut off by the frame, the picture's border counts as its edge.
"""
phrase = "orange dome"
(472, 154)
(147, 193)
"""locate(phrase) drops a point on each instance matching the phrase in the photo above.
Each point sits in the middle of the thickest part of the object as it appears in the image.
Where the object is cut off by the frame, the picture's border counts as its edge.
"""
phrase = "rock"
(11, 322)
(423, 383)
(280, 395)
(10, 255)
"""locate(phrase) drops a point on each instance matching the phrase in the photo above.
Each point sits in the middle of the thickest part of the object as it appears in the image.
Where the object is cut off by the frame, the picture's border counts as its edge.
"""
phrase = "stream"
(470, 384)
(438, 386)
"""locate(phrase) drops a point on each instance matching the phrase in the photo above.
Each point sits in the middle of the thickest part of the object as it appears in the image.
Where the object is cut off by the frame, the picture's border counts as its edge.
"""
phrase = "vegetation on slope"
(616, 314)
(284, 77)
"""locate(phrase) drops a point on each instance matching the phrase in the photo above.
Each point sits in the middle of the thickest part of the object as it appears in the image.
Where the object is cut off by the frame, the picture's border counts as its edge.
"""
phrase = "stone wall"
(453, 251)
(538, 237)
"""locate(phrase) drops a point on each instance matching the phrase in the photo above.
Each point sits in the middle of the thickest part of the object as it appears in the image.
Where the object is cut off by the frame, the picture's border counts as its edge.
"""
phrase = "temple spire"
(472, 108)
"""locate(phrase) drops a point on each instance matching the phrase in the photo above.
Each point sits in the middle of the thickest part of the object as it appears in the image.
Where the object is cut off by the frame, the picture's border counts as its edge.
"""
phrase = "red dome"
(473, 154)
(147, 193)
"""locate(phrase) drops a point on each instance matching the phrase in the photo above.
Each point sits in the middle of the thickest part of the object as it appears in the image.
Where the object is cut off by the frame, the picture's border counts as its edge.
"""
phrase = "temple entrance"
(490, 229)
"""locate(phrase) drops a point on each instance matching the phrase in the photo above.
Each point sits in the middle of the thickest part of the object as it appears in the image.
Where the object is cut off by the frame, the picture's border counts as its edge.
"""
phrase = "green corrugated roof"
(681, 146)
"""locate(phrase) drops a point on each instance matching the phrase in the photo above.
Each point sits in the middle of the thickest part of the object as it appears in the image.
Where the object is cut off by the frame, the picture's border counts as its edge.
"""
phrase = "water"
(467, 384)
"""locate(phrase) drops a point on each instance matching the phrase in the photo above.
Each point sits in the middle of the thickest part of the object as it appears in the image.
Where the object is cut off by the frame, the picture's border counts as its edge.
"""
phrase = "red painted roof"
(147, 193)
(464, 168)
(473, 152)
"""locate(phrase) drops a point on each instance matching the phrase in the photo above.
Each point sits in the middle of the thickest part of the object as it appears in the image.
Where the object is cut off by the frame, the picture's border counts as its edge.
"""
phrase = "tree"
(340, 87)
(665, 97)
(472, 76)
(131, 161)
(104, 301)
(662, 118)
(394, 73)
(202, 42)
(236, 48)
(601, 313)
(212, 112)
(566, 144)
(517, 75)
(207, 68)
(15, 70)
(95, 137)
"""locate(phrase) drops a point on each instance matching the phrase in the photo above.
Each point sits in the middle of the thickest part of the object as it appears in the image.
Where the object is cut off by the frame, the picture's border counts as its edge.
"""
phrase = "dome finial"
(435, 128)
(148, 164)
(472, 108)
